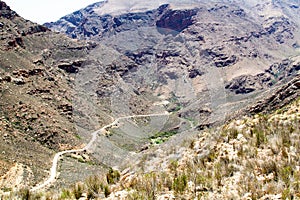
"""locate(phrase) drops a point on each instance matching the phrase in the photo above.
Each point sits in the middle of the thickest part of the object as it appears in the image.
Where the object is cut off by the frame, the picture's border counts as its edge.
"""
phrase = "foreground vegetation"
(256, 157)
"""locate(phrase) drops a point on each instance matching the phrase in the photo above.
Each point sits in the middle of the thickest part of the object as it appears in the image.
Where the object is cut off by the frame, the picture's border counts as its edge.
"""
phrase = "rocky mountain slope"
(253, 157)
(190, 50)
(36, 97)
(203, 62)
(250, 157)
(50, 101)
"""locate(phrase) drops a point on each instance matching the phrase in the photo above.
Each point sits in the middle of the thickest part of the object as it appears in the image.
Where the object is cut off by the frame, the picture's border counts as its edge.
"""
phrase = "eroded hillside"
(207, 58)
(252, 157)
(36, 97)
(202, 63)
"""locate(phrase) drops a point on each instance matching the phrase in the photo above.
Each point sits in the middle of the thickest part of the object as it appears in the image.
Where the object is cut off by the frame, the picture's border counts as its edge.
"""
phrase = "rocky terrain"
(250, 157)
(253, 157)
(192, 50)
(36, 97)
(206, 63)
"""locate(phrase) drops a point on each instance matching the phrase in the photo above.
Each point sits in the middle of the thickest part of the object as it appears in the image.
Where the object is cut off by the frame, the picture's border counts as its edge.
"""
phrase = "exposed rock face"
(70, 23)
(279, 97)
(35, 29)
(175, 21)
(70, 66)
(280, 27)
(237, 43)
(198, 49)
(86, 23)
(220, 57)
(276, 72)
(6, 12)
(14, 35)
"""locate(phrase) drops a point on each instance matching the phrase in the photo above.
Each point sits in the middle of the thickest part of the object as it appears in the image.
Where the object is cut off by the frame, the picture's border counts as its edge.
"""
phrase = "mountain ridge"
(193, 41)
(203, 64)
(35, 108)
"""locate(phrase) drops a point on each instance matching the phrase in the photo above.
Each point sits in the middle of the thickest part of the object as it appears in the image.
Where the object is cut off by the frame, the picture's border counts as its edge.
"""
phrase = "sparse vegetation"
(94, 187)
(24, 194)
(186, 59)
(77, 190)
(161, 137)
(253, 157)
(65, 194)
(113, 176)
(258, 158)
(180, 183)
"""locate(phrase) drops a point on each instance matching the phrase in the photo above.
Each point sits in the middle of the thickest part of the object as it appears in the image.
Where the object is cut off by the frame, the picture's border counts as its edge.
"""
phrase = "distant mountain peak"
(117, 7)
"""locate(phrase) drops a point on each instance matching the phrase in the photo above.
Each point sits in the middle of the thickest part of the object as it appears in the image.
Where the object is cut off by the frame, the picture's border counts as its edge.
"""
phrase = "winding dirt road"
(53, 170)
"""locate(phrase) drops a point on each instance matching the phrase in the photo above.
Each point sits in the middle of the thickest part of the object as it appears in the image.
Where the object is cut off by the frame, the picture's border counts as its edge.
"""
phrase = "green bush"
(113, 176)
(78, 190)
(260, 136)
(285, 175)
(180, 183)
(106, 191)
(65, 194)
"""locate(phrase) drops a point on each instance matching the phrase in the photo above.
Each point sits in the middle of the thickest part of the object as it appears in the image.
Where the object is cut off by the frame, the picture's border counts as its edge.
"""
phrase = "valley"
(138, 99)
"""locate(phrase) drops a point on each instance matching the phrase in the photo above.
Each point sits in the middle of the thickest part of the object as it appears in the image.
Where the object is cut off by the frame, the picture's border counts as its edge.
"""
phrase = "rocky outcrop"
(20, 77)
(275, 99)
(70, 66)
(13, 36)
(193, 73)
(220, 57)
(175, 21)
(246, 83)
(86, 23)
(14, 42)
(279, 97)
(281, 27)
(66, 109)
(277, 72)
(6, 12)
(35, 29)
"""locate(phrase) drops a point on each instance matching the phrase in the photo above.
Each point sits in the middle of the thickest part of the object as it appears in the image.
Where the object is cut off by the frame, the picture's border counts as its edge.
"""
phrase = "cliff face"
(175, 20)
(225, 50)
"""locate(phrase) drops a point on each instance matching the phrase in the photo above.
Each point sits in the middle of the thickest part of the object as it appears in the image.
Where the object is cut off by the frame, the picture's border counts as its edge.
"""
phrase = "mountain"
(228, 51)
(125, 84)
(36, 97)
(250, 157)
